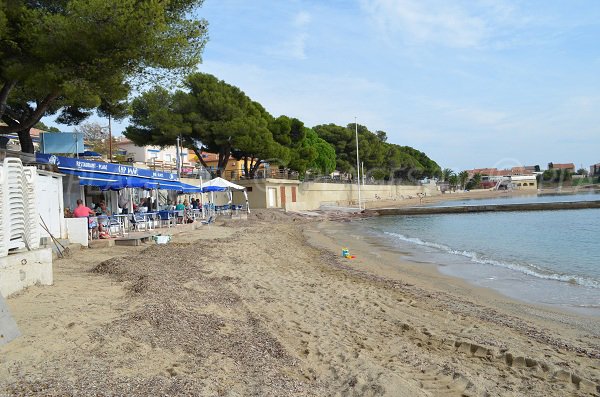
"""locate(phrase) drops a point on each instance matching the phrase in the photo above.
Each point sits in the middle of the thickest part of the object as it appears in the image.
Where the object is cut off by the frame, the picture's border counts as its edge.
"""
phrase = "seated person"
(84, 212)
(102, 209)
(180, 208)
(143, 207)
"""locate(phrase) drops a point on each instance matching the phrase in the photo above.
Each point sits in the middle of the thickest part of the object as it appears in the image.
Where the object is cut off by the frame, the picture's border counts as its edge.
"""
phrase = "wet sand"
(268, 307)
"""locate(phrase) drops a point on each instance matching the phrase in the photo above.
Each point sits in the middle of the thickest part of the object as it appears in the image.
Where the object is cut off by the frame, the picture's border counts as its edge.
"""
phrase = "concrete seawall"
(487, 208)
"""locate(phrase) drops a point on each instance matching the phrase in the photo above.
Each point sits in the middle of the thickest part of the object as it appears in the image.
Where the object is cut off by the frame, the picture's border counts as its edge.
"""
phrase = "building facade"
(150, 154)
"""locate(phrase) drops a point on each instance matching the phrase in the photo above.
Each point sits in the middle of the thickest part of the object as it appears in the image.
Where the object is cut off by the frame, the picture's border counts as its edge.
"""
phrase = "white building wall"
(145, 154)
(49, 196)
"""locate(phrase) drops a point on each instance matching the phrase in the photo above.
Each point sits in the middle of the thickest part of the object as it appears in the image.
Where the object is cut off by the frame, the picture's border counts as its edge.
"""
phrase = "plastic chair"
(93, 227)
(180, 215)
(165, 216)
(210, 220)
(139, 221)
(115, 225)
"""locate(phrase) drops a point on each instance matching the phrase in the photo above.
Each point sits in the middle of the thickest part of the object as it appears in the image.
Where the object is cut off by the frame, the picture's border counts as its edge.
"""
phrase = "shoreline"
(473, 195)
(388, 262)
(456, 268)
(253, 308)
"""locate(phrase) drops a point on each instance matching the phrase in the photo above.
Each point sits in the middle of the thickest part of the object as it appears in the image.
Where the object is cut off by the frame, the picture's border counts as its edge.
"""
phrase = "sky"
(473, 84)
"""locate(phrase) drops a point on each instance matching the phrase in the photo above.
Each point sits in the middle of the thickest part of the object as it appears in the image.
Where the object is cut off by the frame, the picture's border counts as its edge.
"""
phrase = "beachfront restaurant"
(119, 186)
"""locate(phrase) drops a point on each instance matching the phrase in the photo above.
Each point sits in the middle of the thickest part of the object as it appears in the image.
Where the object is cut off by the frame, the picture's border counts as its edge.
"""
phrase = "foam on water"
(547, 257)
(528, 269)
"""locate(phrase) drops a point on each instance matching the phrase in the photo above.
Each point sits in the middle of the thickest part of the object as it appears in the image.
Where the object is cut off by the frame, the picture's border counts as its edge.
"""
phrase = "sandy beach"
(267, 307)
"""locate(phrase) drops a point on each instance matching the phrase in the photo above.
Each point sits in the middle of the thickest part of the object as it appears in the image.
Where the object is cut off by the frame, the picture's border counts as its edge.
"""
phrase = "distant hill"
(382, 160)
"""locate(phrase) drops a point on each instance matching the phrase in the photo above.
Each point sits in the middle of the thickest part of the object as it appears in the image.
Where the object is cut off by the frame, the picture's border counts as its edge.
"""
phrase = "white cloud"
(302, 19)
(313, 98)
(294, 45)
(430, 21)
(474, 115)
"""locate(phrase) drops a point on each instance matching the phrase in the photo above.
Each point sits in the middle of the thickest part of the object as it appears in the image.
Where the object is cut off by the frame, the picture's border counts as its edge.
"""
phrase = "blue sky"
(478, 83)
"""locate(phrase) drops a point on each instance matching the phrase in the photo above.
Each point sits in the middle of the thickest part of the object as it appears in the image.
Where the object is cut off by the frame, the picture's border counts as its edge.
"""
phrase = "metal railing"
(234, 175)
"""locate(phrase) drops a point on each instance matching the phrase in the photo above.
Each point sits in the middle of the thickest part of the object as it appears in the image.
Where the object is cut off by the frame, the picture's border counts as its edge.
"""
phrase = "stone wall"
(306, 196)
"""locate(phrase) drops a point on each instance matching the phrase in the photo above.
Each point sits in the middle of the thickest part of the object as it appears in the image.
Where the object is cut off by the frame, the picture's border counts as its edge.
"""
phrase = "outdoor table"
(151, 219)
(166, 216)
(91, 219)
(196, 213)
(106, 221)
(123, 220)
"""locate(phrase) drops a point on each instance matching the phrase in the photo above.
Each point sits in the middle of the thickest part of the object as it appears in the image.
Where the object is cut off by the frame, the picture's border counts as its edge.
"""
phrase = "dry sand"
(267, 308)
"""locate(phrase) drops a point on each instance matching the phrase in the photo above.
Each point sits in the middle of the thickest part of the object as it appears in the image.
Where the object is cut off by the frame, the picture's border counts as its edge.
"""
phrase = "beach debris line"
(346, 254)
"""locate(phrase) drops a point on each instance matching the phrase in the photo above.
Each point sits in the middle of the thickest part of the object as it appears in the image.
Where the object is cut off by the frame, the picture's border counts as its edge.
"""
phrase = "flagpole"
(357, 164)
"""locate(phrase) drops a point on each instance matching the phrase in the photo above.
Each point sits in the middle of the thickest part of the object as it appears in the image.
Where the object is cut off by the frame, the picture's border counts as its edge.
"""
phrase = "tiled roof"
(563, 166)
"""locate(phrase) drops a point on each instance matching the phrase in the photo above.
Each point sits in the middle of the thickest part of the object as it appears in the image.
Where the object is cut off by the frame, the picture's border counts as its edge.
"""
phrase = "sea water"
(545, 257)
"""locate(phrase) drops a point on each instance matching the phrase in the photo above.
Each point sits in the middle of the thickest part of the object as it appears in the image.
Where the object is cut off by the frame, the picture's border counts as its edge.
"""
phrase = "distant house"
(494, 173)
(150, 154)
(566, 166)
(595, 170)
(234, 170)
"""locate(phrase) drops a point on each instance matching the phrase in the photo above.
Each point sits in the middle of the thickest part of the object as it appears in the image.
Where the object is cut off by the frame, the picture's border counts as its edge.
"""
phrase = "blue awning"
(186, 188)
(163, 185)
(214, 189)
(108, 176)
(104, 182)
(118, 182)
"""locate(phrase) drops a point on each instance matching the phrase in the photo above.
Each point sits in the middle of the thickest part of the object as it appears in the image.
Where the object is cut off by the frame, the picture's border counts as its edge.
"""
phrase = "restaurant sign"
(74, 164)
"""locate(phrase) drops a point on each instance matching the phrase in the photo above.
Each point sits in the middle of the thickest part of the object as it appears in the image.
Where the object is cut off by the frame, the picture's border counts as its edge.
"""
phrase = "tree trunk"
(31, 118)
(224, 153)
(245, 158)
(254, 167)
(198, 154)
(4, 92)
(25, 141)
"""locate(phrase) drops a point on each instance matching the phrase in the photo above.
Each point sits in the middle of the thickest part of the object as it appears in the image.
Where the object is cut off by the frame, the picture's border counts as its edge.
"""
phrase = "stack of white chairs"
(20, 220)
(3, 224)
(32, 218)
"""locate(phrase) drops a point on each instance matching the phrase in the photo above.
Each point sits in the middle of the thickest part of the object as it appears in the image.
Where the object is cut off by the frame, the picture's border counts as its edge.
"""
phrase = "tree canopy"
(70, 57)
(382, 160)
(208, 115)
(41, 126)
(211, 115)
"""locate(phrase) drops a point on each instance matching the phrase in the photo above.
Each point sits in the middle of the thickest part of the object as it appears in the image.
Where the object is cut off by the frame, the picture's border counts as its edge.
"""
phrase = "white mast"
(357, 163)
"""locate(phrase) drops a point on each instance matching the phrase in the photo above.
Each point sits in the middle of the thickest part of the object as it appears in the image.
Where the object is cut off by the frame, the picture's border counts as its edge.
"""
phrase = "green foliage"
(217, 117)
(474, 182)
(453, 180)
(556, 175)
(446, 174)
(463, 177)
(382, 160)
(588, 180)
(70, 57)
(3, 22)
(324, 161)
(41, 126)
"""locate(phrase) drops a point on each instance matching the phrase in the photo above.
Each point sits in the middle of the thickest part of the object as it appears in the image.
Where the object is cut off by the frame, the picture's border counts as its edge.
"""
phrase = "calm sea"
(547, 257)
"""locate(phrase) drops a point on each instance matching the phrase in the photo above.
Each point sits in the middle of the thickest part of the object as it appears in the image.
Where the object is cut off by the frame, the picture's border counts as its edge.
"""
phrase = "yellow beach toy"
(346, 254)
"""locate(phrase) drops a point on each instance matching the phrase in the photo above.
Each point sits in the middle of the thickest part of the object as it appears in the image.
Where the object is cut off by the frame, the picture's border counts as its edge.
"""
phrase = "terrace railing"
(261, 174)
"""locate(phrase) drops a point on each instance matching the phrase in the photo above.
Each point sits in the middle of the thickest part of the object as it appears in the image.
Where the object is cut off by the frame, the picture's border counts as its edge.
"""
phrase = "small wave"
(529, 269)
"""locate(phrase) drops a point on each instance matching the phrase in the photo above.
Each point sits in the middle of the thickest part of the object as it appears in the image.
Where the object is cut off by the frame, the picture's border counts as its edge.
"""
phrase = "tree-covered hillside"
(382, 160)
